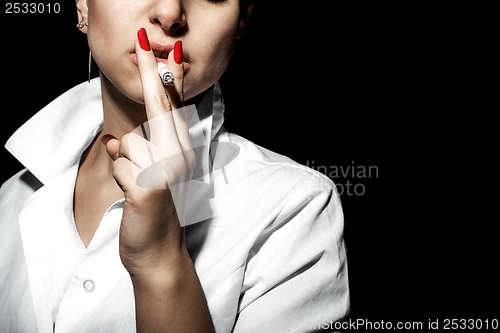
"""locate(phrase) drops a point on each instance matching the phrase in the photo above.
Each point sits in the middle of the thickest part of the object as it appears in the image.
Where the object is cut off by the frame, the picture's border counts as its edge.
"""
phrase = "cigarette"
(165, 74)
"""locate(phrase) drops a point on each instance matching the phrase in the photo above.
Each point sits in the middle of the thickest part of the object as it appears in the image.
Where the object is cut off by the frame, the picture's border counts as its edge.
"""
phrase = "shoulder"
(274, 182)
(278, 168)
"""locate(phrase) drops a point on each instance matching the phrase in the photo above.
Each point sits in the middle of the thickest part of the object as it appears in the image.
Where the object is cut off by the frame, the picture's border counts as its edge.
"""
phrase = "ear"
(244, 17)
(83, 14)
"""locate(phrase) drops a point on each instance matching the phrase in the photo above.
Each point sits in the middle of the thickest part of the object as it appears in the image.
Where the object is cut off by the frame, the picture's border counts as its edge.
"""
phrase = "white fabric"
(270, 257)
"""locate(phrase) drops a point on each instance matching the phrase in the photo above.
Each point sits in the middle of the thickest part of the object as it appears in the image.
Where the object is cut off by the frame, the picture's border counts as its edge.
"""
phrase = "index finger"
(158, 107)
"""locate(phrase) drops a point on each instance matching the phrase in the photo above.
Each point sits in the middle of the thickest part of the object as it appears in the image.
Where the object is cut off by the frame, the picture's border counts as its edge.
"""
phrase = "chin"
(191, 92)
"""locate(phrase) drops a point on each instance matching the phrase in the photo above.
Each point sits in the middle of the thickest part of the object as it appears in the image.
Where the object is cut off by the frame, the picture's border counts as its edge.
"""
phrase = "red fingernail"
(178, 52)
(143, 39)
(106, 137)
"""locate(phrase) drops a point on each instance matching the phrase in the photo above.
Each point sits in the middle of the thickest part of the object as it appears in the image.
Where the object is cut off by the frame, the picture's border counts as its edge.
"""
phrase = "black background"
(340, 86)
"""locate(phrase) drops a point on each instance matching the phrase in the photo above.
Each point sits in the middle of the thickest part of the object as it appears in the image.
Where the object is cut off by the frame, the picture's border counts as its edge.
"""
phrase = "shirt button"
(88, 285)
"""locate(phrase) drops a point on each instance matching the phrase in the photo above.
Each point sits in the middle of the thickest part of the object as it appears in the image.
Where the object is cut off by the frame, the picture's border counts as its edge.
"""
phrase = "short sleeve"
(296, 276)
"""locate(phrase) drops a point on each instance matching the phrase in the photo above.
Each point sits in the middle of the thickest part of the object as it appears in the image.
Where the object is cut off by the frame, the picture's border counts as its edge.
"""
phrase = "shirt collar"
(52, 141)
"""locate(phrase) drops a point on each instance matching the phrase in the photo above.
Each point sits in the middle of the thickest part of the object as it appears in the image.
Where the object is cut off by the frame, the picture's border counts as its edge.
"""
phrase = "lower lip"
(133, 57)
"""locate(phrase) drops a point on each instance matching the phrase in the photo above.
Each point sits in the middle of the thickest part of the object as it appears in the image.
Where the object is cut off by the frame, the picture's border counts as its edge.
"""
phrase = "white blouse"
(265, 233)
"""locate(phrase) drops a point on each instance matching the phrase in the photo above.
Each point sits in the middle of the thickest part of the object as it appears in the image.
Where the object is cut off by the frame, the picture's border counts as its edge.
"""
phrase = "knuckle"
(124, 143)
(160, 100)
(120, 166)
(131, 139)
(127, 137)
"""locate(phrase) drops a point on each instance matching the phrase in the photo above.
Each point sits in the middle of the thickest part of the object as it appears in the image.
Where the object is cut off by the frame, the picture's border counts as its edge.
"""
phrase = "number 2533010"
(32, 8)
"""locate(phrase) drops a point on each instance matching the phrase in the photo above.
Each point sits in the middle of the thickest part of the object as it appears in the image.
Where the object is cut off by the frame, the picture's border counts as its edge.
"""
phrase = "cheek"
(218, 56)
(111, 40)
(107, 34)
(211, 59)
(98, 36)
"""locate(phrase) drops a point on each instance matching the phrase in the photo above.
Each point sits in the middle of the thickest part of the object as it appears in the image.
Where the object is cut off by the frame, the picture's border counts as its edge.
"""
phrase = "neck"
(122, 115)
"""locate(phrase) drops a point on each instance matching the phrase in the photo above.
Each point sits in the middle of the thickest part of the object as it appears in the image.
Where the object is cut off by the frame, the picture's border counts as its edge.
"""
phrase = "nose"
(169, 14)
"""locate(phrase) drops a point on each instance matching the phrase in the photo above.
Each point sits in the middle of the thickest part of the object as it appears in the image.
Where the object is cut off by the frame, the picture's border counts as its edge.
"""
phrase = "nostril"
(175, 26)
(168, 20)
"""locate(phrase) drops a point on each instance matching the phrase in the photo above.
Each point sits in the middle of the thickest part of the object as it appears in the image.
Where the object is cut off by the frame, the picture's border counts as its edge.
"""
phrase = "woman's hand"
(152, 243)
(150, 233)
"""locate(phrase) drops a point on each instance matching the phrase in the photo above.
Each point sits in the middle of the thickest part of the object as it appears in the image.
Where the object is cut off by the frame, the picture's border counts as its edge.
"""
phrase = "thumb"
(112, 145)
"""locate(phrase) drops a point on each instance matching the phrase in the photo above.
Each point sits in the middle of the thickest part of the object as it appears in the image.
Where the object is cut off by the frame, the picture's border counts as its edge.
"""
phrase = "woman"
(135, 212)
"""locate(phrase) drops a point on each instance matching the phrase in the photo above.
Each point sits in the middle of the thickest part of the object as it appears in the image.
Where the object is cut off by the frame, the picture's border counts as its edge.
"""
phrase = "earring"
(90, 63)
(81, 24)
